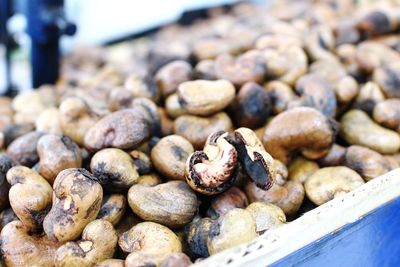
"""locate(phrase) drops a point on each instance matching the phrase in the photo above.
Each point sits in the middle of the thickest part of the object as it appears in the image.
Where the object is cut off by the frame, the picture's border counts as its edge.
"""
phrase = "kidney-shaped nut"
(300, 169)
(315, 92)
(235, 227)
(213, 170)
(371, 55)
(331, 182)
(281, 95)
(77, 200)
(57, 153)
(368, 163)
(230, 199)
(304, 129)
(172, 204)
(248, 67)
(358, 129)
(387, 77)
(114, 169)
(258, 164)
(99, 241)
(125, 129)
(252, 106)
(197, 235)
(202, 97)
(76, 117)
(288, 196)
(387, 113)
(370, 94)
(335, 156)
(169, 156)
(196, 129)
(171, 75)
(30, 196)
(23, 149)
(19, 247)
(6, 163)
(149, 237)
(112, 208)
(320, 42)
(267, 216)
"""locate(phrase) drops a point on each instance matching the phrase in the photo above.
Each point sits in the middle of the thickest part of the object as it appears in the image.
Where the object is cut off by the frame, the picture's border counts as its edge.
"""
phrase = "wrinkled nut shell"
(358, 129)
(172, 204)
(77, 200)
(202, 97)
(169, 156)
(331, 182)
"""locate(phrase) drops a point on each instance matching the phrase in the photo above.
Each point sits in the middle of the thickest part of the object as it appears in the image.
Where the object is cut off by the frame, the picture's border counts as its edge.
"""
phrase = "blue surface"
(372, 241)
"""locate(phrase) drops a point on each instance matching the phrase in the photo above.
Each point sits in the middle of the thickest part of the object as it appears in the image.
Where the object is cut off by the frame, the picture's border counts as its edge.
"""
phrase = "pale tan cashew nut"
(30, 196)
(300, 169)
(173, 107)
(331, 182)
(266, 215)
(172, 204)
(234, 228)
(202, 97)
(169, 156)
(387, 113)
(20, 247)
(57, 153)
(358, 129)
(371, 55)
(98, 242)
(77, 200)
(113, 208)
(148, 241)
(370, 94)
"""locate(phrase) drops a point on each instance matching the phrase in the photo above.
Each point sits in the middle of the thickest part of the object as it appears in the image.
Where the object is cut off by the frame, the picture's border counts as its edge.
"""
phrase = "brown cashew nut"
(258, 164)
(98, 242)
(224, 202)
(248, 67)
(315, 92)
(304, 129)
(76, 117)
(358, 129)
(387, 113)
(77, 200)
(30, 196)
(196, 129)
(171, 75)
(213, 170)
(252, 106)
(202, 97)
(281, 95)
(172, 204)
(287, 195)
(124, 129)
(57, 153)
(19, 247)
(197, 235)
(169, 156)
(148, 239)
(300, 169)
(23, 149)
(331, 182)
(366, 162)
(235, 227)
(335, 156)
(387, 77)
(112, 208)
(267, 216)
(6, 163)
(114, 169)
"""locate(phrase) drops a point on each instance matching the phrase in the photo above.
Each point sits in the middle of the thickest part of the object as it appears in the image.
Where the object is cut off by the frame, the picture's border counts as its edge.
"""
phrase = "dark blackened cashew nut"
(257, 163)
(215, 172)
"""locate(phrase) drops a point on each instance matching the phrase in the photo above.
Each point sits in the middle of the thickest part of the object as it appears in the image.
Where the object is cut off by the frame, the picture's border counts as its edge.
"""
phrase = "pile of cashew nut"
(171, 148)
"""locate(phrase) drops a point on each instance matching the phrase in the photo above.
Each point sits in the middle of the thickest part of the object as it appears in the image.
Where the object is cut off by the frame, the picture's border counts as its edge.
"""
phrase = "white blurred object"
(99, 21)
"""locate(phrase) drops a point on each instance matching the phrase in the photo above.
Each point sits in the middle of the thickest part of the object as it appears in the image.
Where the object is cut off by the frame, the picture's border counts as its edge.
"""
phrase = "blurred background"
(79, 22)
